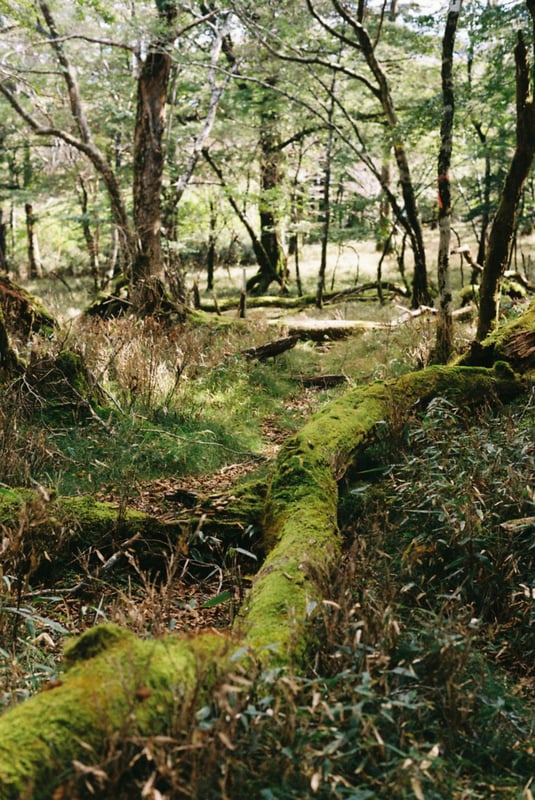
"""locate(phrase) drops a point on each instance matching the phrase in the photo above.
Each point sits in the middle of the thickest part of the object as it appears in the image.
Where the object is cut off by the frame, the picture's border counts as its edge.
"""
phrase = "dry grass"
(404, 697)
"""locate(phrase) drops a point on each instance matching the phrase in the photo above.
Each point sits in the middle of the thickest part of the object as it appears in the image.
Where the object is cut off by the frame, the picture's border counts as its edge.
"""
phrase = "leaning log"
(113, 679)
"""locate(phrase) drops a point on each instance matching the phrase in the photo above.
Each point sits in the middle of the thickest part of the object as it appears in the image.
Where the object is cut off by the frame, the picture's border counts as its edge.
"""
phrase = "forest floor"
(191, 414)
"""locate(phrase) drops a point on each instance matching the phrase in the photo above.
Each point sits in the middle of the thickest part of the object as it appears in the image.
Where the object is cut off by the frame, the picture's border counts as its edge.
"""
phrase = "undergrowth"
(421, 681)
(178, 402)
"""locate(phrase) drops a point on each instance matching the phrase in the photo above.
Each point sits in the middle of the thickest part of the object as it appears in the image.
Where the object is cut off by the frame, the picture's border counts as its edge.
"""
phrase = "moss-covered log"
(115, 682)
(45, 535)
(118, 680)
(300, 526)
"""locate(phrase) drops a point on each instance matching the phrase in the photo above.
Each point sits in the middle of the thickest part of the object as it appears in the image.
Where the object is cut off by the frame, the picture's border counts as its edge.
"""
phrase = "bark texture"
(115, 681)
(444, 338)
(148, 148)
(503, 226)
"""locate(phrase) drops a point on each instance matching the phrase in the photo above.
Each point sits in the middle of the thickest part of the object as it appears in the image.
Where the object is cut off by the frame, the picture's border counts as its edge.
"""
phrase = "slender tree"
(326, 199)
(503, 226)
(444, 336)
(152, 87)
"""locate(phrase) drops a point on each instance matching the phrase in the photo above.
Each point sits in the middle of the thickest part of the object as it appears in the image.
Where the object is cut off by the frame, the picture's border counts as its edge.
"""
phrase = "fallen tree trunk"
(270, 349)
(44, 536)
(304, 300)
(114, 680)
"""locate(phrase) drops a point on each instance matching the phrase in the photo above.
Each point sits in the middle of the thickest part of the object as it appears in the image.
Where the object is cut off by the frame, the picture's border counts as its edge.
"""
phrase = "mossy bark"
(24, 314)
(300, 521)
(45, 535)
(116, 681)
(513, 342)
(10, 364)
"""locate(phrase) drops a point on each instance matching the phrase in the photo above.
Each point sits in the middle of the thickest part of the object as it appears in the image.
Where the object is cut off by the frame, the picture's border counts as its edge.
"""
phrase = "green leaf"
(217, 600)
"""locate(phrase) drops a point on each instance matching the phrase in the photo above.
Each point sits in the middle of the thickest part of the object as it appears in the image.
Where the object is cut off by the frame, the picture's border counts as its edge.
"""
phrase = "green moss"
(116, 682)
(302, 539)
(93, 642)
(73, 369)
(61, 526)
(301, 506)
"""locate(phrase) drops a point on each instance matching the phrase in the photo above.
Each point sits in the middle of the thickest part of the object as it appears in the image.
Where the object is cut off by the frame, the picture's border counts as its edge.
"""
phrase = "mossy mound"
(513, 342)
(24, 314)
(64, 386)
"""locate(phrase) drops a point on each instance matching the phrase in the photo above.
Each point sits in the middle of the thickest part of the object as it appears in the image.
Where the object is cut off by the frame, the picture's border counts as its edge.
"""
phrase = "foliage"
(47, 173)
(420, 685)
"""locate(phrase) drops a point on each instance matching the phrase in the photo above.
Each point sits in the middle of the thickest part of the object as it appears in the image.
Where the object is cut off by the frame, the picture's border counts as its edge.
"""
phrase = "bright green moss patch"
(117, 682)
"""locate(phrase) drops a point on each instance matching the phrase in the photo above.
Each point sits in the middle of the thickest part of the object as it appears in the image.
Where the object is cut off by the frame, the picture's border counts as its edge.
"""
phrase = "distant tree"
(346, 38)
(152, 54)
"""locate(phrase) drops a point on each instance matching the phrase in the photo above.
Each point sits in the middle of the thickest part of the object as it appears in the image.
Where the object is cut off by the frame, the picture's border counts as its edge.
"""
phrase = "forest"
(267, 347)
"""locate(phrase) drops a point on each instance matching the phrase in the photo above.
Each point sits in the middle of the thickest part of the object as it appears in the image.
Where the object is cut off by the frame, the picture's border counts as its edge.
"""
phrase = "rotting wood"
(323, 381)
(270, 349)
(319, 329)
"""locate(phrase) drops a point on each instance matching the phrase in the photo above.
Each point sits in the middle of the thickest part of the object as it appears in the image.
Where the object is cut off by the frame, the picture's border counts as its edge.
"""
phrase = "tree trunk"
(4, 264)
(24, 314)
(326, 197)
(115, 682)
(444, 335)
(420, 290)
(211, 253)
(9, 362)
(90, 239)
(485, 216)
(503, 226)
(257, 283)
(35, 268)
(274, 263)
(513, 342)
(148, 149)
